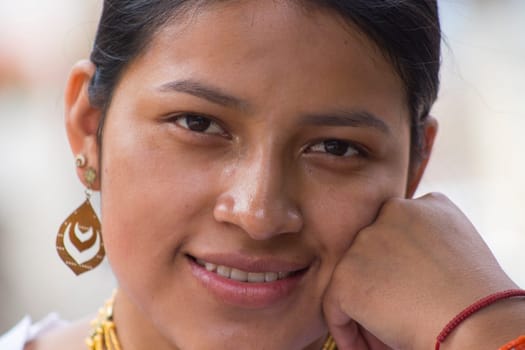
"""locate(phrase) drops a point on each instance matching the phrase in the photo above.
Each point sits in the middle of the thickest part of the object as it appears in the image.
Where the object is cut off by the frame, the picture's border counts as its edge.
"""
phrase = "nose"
(257, 199)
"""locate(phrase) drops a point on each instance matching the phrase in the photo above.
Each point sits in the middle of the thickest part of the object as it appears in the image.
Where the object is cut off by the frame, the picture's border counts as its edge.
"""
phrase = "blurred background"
(478, 161)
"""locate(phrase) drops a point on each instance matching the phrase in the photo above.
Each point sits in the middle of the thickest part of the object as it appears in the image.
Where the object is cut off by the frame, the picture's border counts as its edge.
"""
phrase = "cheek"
(150, 204)
(338, 214)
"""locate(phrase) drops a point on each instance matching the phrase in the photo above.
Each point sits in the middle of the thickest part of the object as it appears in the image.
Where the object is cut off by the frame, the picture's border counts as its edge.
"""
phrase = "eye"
(336, 148)
(199, 124)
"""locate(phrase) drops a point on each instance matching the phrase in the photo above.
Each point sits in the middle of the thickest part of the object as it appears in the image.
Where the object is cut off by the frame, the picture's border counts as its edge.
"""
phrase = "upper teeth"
(242, 276)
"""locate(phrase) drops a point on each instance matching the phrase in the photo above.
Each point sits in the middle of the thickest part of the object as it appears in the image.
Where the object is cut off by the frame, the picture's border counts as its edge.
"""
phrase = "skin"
(437, 266)
(259, 183)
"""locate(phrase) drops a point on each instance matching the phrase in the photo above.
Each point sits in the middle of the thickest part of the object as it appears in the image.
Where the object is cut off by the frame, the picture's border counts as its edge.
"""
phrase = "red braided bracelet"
(478, 305)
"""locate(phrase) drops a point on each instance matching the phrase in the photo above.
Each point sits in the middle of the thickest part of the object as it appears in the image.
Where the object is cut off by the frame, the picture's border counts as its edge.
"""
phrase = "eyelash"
(355, 150)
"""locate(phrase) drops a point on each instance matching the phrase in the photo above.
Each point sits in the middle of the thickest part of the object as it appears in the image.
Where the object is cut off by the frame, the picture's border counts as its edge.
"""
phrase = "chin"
(220, 328)
(277, 338)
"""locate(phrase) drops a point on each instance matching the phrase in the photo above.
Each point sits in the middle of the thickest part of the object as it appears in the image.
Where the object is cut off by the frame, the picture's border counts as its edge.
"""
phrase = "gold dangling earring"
(79, 240)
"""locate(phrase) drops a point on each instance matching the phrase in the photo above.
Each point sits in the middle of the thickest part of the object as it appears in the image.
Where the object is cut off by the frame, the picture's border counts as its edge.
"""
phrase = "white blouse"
(25, 331)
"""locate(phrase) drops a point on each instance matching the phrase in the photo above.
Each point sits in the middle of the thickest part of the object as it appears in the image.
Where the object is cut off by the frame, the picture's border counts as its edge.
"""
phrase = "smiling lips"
(242, 276)
(253, 283)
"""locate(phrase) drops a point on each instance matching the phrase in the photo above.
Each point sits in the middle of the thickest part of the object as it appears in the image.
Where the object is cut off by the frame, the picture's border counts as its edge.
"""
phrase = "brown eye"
(199, 124)
(337, 148)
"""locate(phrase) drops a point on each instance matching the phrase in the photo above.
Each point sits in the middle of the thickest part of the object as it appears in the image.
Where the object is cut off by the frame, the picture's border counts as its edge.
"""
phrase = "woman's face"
(242, 153)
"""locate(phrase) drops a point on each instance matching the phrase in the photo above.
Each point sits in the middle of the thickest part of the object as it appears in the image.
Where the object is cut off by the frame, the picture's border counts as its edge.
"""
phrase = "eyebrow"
(358, 118)
(207, 92)
(348, 118)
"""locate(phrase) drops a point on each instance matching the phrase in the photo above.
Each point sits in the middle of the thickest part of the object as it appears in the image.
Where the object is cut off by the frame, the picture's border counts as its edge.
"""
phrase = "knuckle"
(436, 196)
(438, 201)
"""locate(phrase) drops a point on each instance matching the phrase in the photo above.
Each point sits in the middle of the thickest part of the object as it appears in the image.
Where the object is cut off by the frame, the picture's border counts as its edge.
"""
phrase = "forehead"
(272, 48)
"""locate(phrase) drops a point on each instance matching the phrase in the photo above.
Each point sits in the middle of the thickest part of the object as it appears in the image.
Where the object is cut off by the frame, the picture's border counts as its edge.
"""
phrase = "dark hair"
(407, 32)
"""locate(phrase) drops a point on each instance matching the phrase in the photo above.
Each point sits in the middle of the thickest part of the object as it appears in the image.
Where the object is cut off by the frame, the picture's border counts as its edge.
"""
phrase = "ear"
(82, 119)
(430, 129)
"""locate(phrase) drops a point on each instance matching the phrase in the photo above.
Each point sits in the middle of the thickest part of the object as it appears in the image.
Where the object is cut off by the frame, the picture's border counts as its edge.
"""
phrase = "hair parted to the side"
(407, 32)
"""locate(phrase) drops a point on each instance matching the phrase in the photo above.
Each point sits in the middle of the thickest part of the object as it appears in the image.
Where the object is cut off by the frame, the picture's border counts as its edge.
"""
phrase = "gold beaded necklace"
(104, 335)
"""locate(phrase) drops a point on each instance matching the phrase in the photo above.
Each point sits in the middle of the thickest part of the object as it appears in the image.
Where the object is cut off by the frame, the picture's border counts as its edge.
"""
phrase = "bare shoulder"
(70, 337)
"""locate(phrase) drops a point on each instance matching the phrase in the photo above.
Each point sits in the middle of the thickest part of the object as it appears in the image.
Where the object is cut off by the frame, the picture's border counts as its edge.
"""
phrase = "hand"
(407, 274)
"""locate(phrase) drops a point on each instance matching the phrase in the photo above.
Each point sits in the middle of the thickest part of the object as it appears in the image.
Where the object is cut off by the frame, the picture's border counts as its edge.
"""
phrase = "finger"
(348, 336)
(343, 329)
